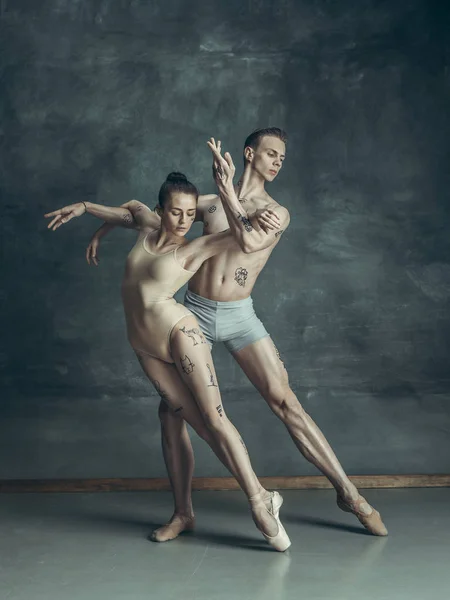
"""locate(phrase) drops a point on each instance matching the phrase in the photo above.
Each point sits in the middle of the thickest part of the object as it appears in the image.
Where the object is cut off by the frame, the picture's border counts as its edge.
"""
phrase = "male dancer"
(219, 296)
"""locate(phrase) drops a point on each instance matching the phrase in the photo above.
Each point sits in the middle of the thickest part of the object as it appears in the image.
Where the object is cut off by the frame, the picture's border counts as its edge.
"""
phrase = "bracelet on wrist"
(85, 207)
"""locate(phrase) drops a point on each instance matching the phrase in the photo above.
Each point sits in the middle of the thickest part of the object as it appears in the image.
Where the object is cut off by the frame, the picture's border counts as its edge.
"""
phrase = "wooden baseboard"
(215, 483)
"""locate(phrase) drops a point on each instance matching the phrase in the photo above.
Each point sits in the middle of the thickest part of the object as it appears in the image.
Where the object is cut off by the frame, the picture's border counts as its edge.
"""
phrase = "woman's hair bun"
(175, 177)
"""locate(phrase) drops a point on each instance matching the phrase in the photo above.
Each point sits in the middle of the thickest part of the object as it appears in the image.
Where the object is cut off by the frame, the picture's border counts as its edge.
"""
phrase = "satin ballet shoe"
(372, 522)
(280, 541)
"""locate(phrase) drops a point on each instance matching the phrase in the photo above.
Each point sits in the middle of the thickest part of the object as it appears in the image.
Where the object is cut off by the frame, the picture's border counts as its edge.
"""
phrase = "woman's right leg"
(196, 369)
(178, 396)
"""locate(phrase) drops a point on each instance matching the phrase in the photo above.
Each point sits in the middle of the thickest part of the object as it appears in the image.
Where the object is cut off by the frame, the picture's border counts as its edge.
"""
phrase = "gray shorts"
(233, 323)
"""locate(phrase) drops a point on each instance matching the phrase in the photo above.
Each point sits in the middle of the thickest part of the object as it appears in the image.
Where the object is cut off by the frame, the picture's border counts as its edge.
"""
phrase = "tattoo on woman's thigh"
(211, 377)
(187, 365)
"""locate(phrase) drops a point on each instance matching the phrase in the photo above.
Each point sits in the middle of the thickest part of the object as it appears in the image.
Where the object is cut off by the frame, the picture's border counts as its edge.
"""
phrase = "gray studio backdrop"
(100, 99)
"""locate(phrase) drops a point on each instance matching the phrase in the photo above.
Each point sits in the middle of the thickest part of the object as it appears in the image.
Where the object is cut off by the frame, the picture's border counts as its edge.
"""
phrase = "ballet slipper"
(372, 522)
(171, 530)
(280, 541)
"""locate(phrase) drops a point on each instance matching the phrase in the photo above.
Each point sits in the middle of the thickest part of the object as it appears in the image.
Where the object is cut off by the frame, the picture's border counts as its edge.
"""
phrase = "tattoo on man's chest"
(240, 276)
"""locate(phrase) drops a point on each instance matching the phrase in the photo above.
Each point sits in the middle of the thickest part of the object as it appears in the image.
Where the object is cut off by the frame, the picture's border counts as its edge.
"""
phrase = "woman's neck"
(165, 238)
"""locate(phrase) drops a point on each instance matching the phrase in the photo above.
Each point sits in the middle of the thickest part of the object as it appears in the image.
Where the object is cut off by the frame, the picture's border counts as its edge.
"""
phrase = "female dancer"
(166, 337)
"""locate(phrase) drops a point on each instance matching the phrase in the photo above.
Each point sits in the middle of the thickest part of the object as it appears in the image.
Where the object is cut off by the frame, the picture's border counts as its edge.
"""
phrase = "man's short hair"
(255, 137)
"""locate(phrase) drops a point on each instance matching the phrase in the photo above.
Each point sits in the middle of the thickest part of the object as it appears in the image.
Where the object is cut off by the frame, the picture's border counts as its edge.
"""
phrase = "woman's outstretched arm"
(144, 217)
(110, 214)
(147, 218)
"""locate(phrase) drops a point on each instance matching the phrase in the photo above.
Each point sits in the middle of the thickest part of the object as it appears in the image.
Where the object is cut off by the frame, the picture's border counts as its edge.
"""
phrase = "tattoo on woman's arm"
(278, 233)
(219, 410)
(245, 222)
(127, 218)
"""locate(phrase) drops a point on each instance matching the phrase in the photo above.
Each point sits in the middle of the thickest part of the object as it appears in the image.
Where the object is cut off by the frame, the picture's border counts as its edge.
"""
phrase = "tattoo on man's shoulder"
(245, 222)
(212, 208)
(127, 218)
(187, 365)
(278, 233)
(211, 377)
(194, 334)
(240, 276)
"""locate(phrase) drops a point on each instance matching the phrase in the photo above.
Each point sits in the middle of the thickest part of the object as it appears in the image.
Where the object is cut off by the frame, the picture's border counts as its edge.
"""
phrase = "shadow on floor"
(324, 523)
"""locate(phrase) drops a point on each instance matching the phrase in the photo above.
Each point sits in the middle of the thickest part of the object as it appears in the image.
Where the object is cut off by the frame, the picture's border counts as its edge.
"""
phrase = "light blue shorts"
(233, 323)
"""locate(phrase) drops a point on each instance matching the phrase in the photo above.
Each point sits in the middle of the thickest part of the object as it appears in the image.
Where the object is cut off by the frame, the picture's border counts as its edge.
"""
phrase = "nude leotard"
(149, 284)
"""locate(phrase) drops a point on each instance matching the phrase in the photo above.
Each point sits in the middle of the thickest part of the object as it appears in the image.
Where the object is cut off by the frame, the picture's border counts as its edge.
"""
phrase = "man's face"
(179, 213)
(268, 158)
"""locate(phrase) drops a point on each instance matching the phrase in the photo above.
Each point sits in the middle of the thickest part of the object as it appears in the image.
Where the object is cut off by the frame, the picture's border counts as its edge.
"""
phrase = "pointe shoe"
(280, 541)
(372, 522)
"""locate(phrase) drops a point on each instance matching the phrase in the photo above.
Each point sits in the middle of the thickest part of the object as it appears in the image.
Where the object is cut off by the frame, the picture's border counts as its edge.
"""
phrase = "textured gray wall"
(101, 98)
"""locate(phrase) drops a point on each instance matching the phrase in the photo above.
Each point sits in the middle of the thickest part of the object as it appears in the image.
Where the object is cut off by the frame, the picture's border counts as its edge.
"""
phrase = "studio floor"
(95, 546)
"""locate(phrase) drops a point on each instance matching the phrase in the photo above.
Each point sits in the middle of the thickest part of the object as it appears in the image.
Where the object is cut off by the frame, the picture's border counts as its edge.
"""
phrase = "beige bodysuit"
(149, 284)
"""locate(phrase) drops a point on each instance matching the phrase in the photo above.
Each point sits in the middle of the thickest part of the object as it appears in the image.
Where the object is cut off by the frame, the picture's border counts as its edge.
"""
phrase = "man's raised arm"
(246, 229)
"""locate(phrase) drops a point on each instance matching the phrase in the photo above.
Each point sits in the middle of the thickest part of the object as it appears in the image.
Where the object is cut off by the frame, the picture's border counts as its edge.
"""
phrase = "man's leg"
(261, 362)
(179, 459)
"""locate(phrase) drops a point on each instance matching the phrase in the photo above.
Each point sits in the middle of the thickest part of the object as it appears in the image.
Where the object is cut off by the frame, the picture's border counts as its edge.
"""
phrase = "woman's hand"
(65, 214)
(267, 219)
(223, 166)
(92, 249)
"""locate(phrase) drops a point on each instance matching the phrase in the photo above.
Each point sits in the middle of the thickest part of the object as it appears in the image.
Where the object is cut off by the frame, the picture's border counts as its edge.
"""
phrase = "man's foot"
(366, 514)
(265, 512)
(172, 529)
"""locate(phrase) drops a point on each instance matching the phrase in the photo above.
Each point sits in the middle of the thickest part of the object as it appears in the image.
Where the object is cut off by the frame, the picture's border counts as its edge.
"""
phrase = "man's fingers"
(272, 213)
(273, 222)
(229, 160)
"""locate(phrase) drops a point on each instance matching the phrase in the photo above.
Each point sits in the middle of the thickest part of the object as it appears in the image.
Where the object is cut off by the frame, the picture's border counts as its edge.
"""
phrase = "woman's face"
(179, 213)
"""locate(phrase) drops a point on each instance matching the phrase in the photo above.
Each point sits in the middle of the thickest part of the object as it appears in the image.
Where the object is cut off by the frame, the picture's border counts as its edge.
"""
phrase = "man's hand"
(92, 250)
(65, 214)
(267, 219)
(223, 166)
